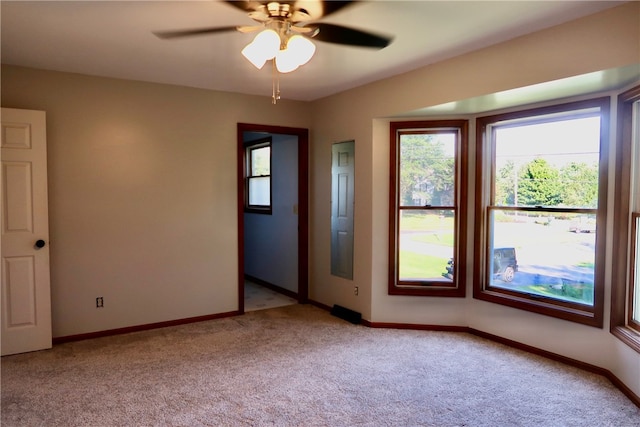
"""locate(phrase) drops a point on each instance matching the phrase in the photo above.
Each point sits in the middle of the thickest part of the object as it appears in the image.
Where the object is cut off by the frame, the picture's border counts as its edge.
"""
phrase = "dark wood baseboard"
(623, 388)
(271, 286)
(138, 328)
(510, 343)
(320, 305)
(419, 327)
(562, 359)
(539, 352)
(442, 328)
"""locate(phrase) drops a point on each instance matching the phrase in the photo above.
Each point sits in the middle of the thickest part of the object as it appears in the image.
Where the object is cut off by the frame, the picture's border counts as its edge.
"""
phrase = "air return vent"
(346, 314)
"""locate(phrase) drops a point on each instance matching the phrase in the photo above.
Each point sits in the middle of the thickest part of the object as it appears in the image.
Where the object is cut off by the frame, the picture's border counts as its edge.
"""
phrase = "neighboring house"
(143, 194)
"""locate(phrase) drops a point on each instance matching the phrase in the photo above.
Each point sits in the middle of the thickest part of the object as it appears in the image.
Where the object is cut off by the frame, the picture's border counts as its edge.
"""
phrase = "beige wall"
(603, 41)
(142, 188)
(142, 195)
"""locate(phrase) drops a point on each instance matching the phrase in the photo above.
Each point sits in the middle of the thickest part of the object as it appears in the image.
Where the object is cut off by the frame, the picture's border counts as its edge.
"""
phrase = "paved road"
(539, 249)
(409, 243)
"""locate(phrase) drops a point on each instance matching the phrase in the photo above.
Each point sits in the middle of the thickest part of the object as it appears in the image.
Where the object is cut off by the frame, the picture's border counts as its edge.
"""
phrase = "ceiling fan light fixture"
(264, 46)
(283, 23)
(298, 52)
(269, 42)
(286, 61)
(254, 55)
(302, 48)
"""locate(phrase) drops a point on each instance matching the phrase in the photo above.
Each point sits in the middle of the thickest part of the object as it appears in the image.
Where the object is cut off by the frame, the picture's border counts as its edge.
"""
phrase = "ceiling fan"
(287, 30)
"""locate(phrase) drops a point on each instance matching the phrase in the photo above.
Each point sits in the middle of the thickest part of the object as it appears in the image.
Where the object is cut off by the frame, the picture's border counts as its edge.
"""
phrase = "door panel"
(26, 297)
(21, 291)
(17, 197)
(342, 199)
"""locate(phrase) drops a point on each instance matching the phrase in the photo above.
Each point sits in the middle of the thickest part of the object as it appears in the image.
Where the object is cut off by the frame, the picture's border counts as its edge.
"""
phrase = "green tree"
(260, 160)
(539, 184)
(506, 185)
(426, 172)
(580, 185)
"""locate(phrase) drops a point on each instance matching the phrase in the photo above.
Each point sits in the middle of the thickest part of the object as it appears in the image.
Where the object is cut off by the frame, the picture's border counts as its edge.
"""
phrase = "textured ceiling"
(114, 39)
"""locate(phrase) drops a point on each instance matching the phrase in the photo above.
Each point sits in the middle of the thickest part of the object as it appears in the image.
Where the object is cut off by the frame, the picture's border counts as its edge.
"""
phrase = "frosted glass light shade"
(269, 42)
(298, 52)
(264, 47)
(302, 48)
(254, 55)
(286, 61)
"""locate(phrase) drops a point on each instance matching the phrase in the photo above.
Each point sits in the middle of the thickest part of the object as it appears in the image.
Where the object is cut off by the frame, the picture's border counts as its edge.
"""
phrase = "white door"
(342, 204)
(25, 299)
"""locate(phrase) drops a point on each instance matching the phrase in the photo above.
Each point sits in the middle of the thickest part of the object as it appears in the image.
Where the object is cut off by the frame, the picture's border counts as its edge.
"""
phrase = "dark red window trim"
(431, 288)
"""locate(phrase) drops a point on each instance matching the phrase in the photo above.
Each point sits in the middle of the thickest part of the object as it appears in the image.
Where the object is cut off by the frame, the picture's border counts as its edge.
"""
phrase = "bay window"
(634, 282)
(625, 293)
(541, 189)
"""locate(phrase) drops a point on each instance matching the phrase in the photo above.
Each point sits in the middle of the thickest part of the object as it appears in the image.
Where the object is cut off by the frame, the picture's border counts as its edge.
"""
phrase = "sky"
(559, 142)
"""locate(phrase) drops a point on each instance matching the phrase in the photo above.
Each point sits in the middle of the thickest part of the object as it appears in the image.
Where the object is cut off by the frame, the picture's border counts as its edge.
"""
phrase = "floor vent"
(346, 314)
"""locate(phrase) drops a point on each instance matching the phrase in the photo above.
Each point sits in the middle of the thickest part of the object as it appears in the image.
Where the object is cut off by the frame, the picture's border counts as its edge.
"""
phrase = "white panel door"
(342, 203)
(25, 299)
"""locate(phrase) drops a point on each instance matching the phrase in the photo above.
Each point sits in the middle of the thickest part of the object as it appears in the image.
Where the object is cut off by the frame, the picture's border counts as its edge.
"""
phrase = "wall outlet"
(99, 302)
(355, 290)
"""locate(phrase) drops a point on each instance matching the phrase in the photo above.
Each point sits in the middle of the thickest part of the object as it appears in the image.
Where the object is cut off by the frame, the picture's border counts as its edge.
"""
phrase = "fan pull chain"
(275, 93)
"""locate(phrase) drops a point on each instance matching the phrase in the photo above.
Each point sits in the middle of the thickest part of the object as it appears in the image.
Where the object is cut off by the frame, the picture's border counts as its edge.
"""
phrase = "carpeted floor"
(299, 366)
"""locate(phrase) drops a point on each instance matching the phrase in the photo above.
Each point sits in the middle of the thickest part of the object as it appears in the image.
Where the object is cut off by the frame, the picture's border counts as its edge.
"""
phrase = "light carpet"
(299, 366)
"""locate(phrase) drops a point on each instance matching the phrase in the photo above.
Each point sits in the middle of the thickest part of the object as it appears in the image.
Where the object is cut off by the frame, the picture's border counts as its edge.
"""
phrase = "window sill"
(540, 306)
(628, 336)
(263, 211)
(428, 291)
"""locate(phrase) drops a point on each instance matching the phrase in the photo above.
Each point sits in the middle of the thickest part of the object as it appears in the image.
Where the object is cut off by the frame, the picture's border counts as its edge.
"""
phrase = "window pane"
(260, 161)
(427, 166)
(548, 164)
(259, 191)
(636, 271)
(634, 185)
(551, 255)
(426, 244)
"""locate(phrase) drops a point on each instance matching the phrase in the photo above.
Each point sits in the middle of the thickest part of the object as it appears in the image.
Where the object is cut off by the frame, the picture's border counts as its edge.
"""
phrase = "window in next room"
(258, 176)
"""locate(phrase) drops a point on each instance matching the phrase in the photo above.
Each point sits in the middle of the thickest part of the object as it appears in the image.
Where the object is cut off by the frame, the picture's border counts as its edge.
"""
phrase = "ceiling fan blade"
(331, 33)
(245, 5)
(307, 31)
(329, 7)
(312, 10)
(193, 32)
(249, 28)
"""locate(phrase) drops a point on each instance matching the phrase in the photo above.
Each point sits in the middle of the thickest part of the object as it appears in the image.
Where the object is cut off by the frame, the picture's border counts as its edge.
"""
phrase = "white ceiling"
(114, 39)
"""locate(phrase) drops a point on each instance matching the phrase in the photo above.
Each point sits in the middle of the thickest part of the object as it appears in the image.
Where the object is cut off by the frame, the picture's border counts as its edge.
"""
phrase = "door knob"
(40, 243)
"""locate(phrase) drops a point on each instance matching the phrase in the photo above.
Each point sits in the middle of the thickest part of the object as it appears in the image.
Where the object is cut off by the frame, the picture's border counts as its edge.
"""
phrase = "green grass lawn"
(418, 266)
(427, 222)
(577, 293)
(443, 238)
(586, 264)
(438, 230)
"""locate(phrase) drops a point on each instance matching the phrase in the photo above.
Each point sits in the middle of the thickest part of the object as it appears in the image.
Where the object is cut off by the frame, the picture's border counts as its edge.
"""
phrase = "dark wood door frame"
(303, 205)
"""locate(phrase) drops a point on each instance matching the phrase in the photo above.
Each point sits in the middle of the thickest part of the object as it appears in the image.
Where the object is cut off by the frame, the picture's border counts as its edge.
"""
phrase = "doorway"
(300, 209)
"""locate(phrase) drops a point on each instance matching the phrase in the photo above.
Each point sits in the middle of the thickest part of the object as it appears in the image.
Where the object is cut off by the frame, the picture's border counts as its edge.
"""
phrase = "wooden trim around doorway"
(303, 204)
